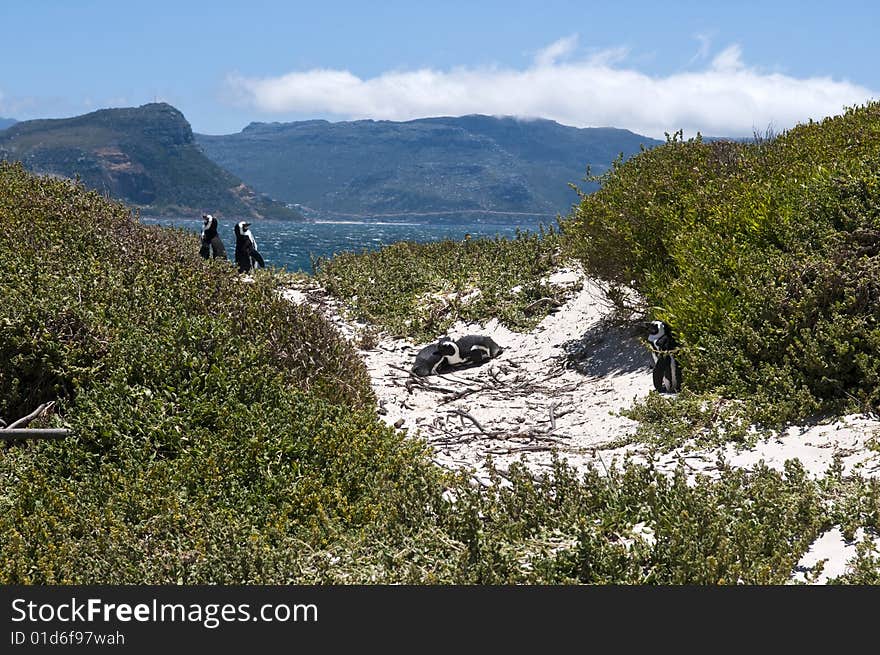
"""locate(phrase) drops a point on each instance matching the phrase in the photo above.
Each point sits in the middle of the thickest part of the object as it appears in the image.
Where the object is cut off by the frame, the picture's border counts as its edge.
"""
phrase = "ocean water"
(291, 245)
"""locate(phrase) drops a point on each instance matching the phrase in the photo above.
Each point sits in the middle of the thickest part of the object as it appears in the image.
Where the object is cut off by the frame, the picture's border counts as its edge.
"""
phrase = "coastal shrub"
(419, 290)
(221, 435)
(632, 526)
(210, 419)
(762, 255)
(702, 420)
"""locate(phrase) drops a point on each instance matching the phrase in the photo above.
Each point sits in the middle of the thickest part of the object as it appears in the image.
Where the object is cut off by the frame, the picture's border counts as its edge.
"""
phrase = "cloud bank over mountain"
(724, 97)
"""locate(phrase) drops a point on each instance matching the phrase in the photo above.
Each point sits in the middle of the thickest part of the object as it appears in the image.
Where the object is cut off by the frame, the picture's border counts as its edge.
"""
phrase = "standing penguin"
(246, 253)
(472, 349)
(211, 243)
(667, 372)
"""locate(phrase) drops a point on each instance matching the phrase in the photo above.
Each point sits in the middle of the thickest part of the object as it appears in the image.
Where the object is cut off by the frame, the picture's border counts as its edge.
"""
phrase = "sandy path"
(560, 387)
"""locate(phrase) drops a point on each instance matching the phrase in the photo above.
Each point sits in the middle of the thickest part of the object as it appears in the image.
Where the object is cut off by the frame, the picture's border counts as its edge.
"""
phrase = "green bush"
(209, 417)
(222, 435)
(420, 289)
(762, 256)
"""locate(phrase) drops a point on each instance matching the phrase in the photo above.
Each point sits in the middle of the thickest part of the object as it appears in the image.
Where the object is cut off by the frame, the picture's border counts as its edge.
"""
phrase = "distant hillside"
(144, 156)
(7, 122)
(471, 163)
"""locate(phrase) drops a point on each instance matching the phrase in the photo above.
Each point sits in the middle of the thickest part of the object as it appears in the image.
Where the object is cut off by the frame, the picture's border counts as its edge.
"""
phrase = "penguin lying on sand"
(447, 353)
(471, 349)
(211, 243)
(667, 372)
(246, 253)
(429, 361)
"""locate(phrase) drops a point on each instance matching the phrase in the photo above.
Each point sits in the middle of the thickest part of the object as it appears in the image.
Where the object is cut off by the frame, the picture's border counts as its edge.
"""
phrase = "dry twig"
(470, 418)
(24, 420)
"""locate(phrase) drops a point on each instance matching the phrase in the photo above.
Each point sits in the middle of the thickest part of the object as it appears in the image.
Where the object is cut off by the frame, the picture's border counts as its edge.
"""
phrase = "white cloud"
(728, 60)
(556, 50)
(702, 52)
(726, 98)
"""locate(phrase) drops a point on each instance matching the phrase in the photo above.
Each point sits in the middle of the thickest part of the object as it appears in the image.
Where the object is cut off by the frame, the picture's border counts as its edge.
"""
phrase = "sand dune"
(560, 388)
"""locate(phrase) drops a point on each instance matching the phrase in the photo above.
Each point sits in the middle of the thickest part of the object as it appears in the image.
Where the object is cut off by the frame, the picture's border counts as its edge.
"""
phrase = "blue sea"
(291, 245)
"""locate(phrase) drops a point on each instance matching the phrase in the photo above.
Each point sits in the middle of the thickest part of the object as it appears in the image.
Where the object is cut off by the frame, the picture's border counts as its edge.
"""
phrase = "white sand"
(560, 388)
(525, 402)
(834, 551)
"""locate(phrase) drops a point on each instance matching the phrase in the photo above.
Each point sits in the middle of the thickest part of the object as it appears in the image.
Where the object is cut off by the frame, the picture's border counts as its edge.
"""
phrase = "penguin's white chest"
(455, 358)
(654, 348)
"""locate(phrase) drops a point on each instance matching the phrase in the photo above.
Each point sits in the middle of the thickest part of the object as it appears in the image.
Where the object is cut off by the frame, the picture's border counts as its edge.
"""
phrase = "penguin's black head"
(241, 227)
(658, 329)
(661, 330)
(447, 347)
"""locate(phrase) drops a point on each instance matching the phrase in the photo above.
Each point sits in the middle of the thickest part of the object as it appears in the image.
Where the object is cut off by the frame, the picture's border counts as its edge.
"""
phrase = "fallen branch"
(521, 449)
(459, 395)
(539, 301)
(33, 433)
(470, 418)
(24, 420)
(427, 387)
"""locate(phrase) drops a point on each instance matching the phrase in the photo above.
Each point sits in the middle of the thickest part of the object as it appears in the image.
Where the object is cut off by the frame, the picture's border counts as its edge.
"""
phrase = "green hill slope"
(467, 164)
(144, 156)
(764, 256)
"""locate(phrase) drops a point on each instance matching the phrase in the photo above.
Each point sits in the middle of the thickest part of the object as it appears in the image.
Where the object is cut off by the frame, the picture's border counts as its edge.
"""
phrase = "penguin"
(667, 372)
(470, 349)
(429, 361)
(211, 243)
(246, 253)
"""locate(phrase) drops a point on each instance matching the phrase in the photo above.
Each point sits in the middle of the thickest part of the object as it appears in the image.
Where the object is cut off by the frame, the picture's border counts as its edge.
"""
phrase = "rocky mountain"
(461, 164)
(144, 156)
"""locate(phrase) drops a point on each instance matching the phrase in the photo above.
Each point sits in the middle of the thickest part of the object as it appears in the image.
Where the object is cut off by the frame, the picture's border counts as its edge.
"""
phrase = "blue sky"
(724, 68)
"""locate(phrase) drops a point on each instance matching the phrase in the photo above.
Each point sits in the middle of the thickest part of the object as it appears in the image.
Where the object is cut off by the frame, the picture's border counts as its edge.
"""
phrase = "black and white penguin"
(667, 372)
(246, 253)
(429, 361)
(211, 243)
(470, 349)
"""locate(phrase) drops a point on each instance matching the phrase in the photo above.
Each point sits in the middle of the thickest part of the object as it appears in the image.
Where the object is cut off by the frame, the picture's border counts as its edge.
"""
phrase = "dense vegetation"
(763, 256)
(145, 156)
(421, 289)
(222, 435)
(209, 415)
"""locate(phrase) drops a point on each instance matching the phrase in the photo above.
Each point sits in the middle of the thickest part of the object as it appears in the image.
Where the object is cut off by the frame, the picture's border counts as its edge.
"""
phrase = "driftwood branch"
(15, 430)
(24, 420)
(427, 387)
(553, 301)
(33, 433)
(458, 395)
(400, 368)
(470, 418)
